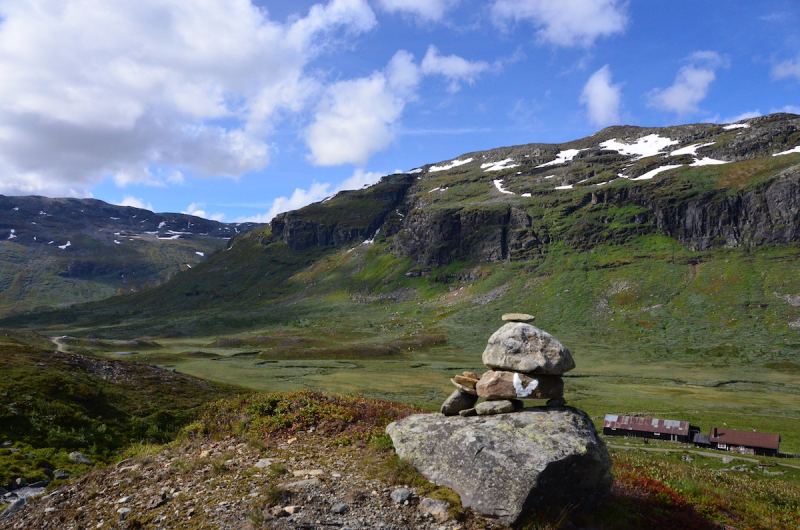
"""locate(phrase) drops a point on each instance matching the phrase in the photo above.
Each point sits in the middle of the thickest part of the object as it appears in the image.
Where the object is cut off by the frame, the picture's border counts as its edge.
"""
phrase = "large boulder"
(521, 347)
(507, 464)
(513, 385)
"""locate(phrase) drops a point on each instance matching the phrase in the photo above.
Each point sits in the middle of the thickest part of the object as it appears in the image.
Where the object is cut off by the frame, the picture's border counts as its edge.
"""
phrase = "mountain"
(57, 252)
(650, 242)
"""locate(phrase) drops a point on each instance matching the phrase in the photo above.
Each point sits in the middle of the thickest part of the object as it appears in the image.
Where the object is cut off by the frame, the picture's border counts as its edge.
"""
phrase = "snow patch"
(64, 247)
(567, 187)
(789, 152)
(201, 254)
(188, 265)
(508, 163)
(451, 165)
(737, 126)
(415, 171)
(645, 146)
(371, 241)
(16, 208)
(654, 172)
(690, 150)
(162, 224)
(707, 162)
(117, 242)
(526, 194)
(115, 218)
(549, 176)
(563, 157)
(12, 235)
(498, 183)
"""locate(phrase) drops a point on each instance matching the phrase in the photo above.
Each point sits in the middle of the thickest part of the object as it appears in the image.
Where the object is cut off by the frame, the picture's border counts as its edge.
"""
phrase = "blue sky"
(236, 110)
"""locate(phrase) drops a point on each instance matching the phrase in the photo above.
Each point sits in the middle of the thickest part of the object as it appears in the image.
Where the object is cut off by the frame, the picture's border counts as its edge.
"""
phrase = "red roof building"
(653, 428)
(745, 442)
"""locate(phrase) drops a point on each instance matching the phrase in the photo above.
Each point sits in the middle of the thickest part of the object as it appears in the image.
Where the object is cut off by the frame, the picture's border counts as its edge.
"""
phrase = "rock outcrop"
(504, 465)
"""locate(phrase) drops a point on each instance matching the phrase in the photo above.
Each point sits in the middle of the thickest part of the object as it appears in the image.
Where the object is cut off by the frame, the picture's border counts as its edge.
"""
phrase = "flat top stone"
(518, 317)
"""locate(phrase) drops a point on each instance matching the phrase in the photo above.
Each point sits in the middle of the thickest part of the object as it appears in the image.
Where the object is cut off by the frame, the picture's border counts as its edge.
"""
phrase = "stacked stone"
(524, 363)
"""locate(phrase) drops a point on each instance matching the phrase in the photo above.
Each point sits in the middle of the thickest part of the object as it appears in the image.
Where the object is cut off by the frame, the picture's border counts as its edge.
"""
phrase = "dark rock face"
(350, 216)
(505, 465)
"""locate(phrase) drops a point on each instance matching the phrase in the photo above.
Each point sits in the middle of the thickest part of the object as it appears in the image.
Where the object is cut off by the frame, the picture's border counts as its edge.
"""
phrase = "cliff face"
(705, 185)
(348, 217)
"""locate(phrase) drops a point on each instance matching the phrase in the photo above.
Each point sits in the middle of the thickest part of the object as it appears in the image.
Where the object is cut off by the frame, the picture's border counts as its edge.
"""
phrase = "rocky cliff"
(706, 185)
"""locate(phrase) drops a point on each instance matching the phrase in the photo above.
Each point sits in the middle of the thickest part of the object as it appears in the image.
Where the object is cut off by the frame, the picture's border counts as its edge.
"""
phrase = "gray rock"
(438, 509)
(727, 460)
(40, 484)
(687, 458)
(19, 482)
(458, 401)
(60, 474)
(80, 458)
(520, 347)
(302, 484)
(556, 402)
(518, 317)
(468, 412)
(123, 512)
(464, 388)
(499, 406)
(6, 445)
(14, 507)
(505, 465)
(401, 495)
(340, 508)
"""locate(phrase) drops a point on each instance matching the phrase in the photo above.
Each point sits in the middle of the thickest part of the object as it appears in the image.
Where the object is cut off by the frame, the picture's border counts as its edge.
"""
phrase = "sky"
(237, 110)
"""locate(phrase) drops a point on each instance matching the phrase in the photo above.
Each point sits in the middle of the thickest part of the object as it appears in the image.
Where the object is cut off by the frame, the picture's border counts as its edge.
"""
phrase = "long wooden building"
(651, 428)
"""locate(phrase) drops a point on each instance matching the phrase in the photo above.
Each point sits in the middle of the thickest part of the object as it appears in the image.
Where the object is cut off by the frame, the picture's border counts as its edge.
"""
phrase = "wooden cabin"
(744, 442)
(650, 428)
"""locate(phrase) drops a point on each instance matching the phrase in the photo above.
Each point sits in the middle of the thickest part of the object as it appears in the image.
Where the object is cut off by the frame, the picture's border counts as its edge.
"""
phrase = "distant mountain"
(648, 242)
(56, 252)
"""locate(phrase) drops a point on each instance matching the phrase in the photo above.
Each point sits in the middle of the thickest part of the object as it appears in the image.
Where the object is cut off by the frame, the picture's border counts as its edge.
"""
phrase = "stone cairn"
(524, 363)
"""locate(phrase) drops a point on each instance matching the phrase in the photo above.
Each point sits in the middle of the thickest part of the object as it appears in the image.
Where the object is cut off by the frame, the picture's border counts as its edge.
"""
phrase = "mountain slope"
(64, 251)
(607, 251)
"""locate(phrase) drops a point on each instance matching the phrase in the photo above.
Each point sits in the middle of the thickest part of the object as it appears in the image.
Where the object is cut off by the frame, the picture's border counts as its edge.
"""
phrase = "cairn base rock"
(507, 464)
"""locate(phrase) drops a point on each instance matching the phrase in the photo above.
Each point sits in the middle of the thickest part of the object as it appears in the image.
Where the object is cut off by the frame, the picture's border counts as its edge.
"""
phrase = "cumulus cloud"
(356, 118)
(427, 10)
(566, 22)
(788, 68)
(691, 85)
(602, 98)
(315, 193)
(195, 209)
(456, 69)
(130, 200)
(93, 89)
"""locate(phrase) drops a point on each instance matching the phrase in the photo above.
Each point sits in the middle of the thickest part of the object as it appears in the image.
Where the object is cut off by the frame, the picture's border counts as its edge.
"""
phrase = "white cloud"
(195, 209)
(566, 22)
(427, 10)
(356, 118)
(791, 109)
(453, 67)
(691, 85)
(94, 89)
(743, 116)
(316, 193)
(602, 98)
(130, 200)
(788, 68)
(354, 121)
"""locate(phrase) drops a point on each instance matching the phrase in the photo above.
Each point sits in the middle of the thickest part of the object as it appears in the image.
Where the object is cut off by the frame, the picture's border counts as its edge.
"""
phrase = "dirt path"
(701, 453)
(59, 345)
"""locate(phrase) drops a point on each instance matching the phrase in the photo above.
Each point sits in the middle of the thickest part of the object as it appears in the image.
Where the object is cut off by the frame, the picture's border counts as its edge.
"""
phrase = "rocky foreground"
(300, 482)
